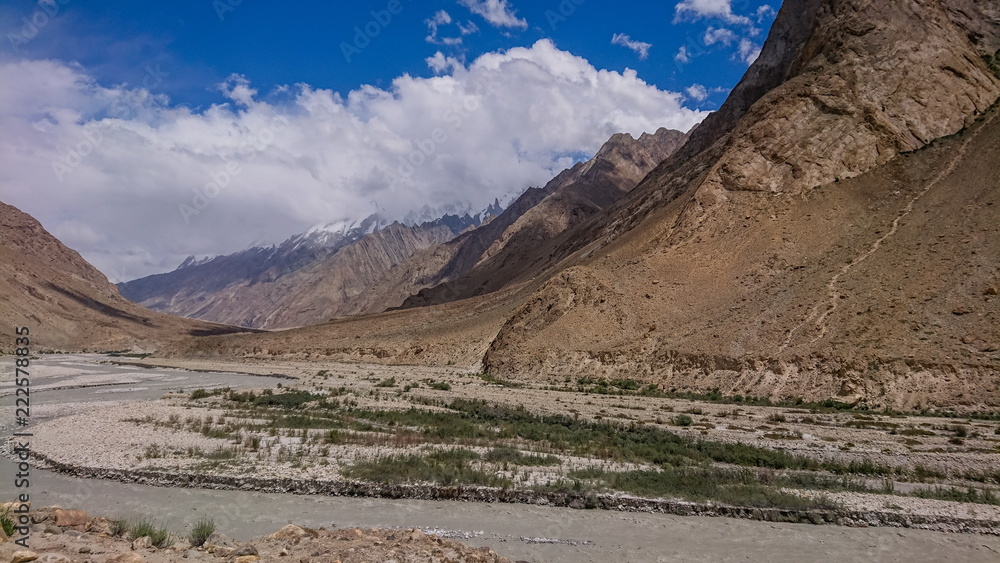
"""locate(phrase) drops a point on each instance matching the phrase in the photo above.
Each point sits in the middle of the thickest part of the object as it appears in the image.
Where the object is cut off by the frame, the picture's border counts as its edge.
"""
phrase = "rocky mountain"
(513, 248)
(307, 279)
(66, 303)
(830, 233)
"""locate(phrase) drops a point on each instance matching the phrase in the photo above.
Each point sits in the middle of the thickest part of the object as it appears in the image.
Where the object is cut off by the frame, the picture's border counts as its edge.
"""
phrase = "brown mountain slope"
(879, 287)
(66, 303)
(791, 248)
(521, 251)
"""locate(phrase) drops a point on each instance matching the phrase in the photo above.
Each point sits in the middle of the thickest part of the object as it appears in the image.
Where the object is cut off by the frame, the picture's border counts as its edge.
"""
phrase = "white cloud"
(697, 9)
(682, 55)
(468, 29)
(720, 35)
(505, 121)
(765, 12)
(434, 24)
(442, 64)
(497, 12)
(697, 92)
(641, 49)
(749, 51)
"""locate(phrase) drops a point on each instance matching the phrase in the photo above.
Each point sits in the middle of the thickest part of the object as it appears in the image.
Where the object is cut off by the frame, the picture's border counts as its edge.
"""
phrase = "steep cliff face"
(66, 303)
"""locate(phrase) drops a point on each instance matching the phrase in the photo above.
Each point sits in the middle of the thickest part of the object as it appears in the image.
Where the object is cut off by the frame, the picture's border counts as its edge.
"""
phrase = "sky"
(140, 133)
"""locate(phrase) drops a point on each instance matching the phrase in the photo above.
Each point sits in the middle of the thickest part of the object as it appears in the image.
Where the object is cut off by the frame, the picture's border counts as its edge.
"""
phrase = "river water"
(530, 533)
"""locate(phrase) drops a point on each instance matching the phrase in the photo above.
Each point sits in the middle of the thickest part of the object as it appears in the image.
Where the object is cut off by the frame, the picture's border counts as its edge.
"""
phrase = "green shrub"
(7, 523)
(443, 467)
(440, 386)
(199, 394)
(143, 527)
(958, 495)
(683, 420)
(201, 531)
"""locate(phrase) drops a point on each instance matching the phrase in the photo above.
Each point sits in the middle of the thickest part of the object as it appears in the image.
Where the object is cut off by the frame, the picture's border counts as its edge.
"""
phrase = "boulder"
(23, 556)
(245, 549)
(293, 532)
(71, 518)
(145, 542)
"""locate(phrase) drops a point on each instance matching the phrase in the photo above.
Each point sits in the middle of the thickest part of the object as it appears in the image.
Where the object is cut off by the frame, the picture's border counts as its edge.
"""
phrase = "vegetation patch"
(443, 467)
(725, 486)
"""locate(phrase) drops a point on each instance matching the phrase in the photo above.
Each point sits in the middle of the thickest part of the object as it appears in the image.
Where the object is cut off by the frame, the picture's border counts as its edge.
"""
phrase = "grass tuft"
(201, 532)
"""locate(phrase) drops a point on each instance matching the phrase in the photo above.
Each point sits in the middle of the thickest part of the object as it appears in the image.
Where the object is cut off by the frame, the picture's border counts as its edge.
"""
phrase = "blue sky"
(201, 42)
(262, 119)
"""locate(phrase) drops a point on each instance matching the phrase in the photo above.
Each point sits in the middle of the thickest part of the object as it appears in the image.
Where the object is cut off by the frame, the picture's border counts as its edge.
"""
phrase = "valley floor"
(578, 441)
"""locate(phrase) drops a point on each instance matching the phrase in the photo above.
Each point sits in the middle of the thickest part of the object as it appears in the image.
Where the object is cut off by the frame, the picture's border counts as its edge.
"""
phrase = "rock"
(22, 556)
(85, 549)
(127, 558)
(145, 542)
(293, 532)
(416, 535)
(245, 549)
(100, 526)
(54, 530)
(993, 290)
(218, 539)
(246, 559)
(54, 558)
(70, 518)
(3, 535)
(959, 311)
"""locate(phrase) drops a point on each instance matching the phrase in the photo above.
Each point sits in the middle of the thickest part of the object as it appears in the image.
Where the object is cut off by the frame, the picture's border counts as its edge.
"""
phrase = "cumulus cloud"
(137, 183)
(682, 55)
(697, 92)
(441, 19)
(697, 9)
(765, 12)
(748, 51)
(720, 35)
(434, 24)
(497, 12)
(640, 48)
